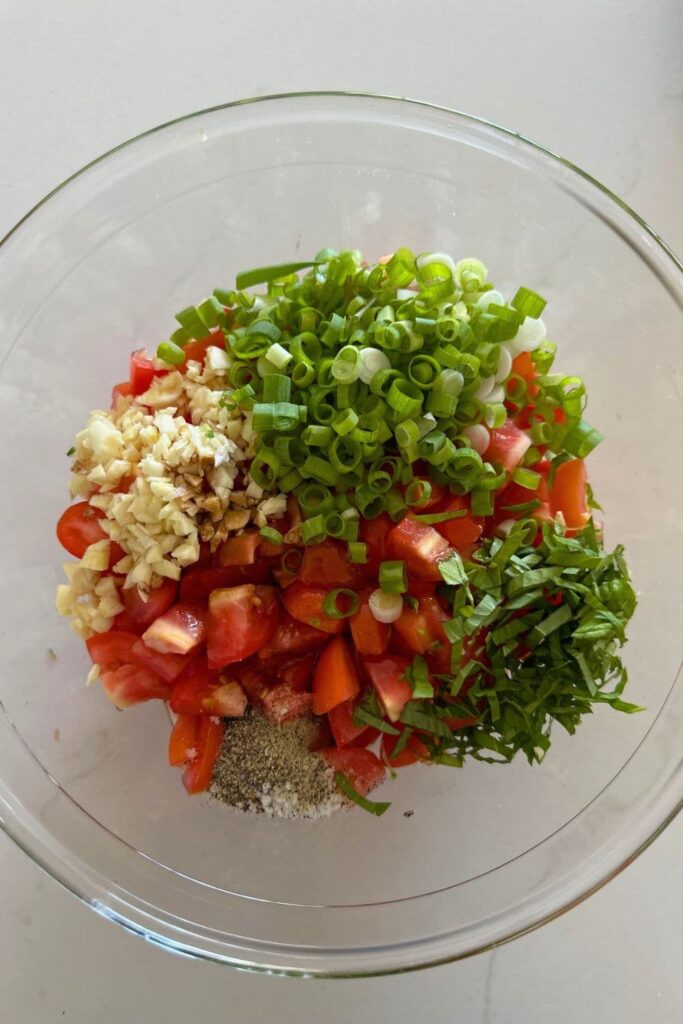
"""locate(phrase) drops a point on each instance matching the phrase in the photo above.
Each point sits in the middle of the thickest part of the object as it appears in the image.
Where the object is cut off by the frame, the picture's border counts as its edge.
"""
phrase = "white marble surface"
(599, 82)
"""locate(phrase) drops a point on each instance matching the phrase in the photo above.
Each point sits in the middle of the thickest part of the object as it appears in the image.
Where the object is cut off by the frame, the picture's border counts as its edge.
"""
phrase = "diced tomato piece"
(291, 637)
(283, 704)
(199, 691)
(374, 533)
(460, 533)
(168, 666)
(122, 390)
(568, 494)
(196, 349)
(454, 723)
(415, 750)
(507, 446)
(305, 604)
(241, 620)
(363, 770)
(139, 614)
(132, 684)
(179, 630)
(388, 676)
(336, 677)
(198, 774)
(327, 565)
(109, 650)
(239, 550)
(253, 678)
(420, 547)
(182, 743)
(298, 674)
(523, 365)
(197, 583)
(78, 528)
(369, 635)
(422, 629)
(142, 372)
(344, 730)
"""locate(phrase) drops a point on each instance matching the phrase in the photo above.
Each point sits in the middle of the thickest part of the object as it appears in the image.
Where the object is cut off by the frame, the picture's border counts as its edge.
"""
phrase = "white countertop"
(598, 82)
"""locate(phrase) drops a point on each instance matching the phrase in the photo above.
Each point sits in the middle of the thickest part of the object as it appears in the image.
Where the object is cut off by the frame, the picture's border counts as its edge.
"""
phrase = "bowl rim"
(607, 872)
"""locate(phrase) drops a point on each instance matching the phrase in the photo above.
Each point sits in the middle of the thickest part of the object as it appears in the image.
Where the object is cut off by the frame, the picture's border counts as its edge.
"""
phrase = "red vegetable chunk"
(178, 631)
(388, 676)
(241, 620)
(336, 677)
(420, 547)
(363, 770)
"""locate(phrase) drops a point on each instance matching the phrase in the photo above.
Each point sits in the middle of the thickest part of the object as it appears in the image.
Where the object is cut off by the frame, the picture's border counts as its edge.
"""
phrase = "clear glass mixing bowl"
(97, 269)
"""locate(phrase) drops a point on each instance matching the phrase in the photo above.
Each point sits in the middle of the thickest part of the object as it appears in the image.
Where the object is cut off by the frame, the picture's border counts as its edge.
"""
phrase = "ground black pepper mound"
(270, 769)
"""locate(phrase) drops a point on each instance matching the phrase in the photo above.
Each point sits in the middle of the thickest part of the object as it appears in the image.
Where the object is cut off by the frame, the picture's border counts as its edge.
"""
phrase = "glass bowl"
(98, 269)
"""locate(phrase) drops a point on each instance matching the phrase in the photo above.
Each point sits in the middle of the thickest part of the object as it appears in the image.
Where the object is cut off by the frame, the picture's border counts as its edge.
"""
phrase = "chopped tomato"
(182, 743)
(454, 723)
(374, 533)
(199, 691)
(369, 635)
(198, 774)
(327, 565)
(363, 770)
(252, 678)
(298, 674)
(241, 620)
(122, 390)
(267, 548)
(196, 349)
(291, 637)
(78, 528)
(568, 494)
(422, 629)
(138, 614)
(414, 750)
(179, 630)
(344, 730)
(132, 684)
(142, 372)
(283, 704)
(168, 666)
(419, 546)
(460, 533)
(239, 550)
(305, 604)
(388, 676)
(336, 677)
(197, 583)
(523, 365)
(109, 650)
(507, 446)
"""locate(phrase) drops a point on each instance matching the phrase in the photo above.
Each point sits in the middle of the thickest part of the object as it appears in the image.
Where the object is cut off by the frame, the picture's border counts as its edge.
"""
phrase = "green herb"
(71, 451)
(417, 675)
(372, 806)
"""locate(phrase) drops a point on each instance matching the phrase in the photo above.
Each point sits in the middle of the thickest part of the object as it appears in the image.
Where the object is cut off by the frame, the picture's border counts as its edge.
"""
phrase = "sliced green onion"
(331, 603)
(278, 416)
(345, 454)
(441, 517)
(264, 468)
(278, 356)
(277, 388)
(385, 608)
(528, 303)
(191, 321)
(541, 433)
(418, 493)
(317, 436)
(314, 498)
(291, 560)
(369, 503)
(423, 370)
(581, 440)
(346, 366)
(344, 421)
(272, 535)
(211, 312)
(376, 807)
(225, 297)
(357, 552)
(263, 275)
(407, 433)
(527, 478)
(405, 398)
(171, 353)
(290, 481)
(482, 503)
(313, 530)
(371, 361)
(393, 578)
(320, 469)
(303, 374)
(470, 274)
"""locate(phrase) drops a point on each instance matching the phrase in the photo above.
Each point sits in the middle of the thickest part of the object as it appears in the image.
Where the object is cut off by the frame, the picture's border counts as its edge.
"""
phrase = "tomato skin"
(507, 446)
(568, 494)
(282, 703)
(305, 604)
(132, 684)
(168, 666)
(78, 528)
(369, 635)
(388, 676)
(363, 770)
(196, 349)
(115, 648)
(138, 614)
(199, 691)
(239, 550)
(178, 631)
(374, 533)
(326, 565)
(420, 546)
(241, 620)
(345, 732)
(415, 750)
(422, 629)
(291, 637)
(298, 674)
(336, 677)
(142, 372)
(183, 740)
(197, 776)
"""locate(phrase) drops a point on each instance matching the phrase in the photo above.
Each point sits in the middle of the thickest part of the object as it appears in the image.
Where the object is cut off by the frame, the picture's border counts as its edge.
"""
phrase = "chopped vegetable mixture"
(355, 497)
